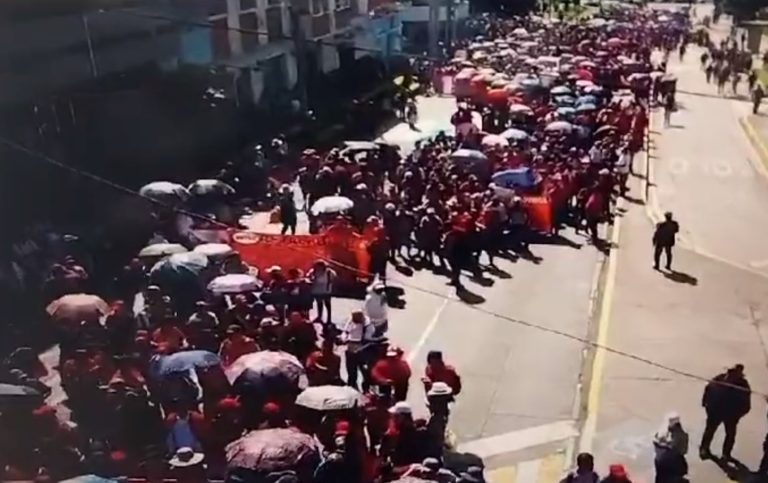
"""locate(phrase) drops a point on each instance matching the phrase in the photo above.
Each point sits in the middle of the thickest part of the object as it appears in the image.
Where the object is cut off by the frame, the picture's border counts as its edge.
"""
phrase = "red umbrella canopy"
(77, 308)
(497, 96)
(584, 74)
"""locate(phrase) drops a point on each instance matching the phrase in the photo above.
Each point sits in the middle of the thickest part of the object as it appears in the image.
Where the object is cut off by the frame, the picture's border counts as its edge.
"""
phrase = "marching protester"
(239, 354)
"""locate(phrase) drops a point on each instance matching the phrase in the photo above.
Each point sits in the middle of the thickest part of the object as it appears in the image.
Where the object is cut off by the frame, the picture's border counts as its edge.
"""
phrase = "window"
(220, 37)
(343, 4)
(318, 7)
(275, 3)
(247, 5)
(249, 22)
(275, 24)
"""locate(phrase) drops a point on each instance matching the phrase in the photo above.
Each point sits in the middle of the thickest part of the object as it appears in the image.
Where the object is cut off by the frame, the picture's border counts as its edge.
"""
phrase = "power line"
(531, 325)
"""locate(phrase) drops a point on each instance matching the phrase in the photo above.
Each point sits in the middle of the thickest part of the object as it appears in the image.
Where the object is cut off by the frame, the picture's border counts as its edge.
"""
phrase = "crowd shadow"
(735, 470)
(681, 277)
(469, 297)
(633, 200)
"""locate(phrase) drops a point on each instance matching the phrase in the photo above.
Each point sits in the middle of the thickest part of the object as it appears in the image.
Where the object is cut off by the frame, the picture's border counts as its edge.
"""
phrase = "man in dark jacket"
(664, 240)
(726, 400)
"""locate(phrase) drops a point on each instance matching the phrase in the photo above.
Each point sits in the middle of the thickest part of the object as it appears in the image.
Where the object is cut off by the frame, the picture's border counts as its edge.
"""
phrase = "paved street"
(706, 316)
(517, 408)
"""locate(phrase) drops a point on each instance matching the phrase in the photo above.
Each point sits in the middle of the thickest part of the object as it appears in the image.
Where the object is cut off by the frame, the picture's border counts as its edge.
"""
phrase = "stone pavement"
(706, 315)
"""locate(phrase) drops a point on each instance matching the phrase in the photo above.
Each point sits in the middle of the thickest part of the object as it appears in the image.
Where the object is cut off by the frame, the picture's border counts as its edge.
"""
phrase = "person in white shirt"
(622, 167)
(358, 335)
(375, 308)
(322, 279)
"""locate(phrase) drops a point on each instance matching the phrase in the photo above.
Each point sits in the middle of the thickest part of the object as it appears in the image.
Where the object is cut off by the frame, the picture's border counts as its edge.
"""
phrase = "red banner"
(345, 250)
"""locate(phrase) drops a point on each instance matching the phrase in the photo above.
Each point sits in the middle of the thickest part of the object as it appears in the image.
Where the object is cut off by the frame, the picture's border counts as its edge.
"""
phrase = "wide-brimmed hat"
(186, 457)
(401, 407)
(440, 389)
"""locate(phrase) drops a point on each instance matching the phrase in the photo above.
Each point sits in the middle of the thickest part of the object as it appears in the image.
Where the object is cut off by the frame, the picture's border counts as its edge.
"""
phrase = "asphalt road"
(520, 384)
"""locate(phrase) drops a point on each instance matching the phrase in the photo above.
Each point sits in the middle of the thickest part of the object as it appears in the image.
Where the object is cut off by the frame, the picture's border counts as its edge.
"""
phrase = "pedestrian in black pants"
(288, 215)
(726, 400)
(664, 240)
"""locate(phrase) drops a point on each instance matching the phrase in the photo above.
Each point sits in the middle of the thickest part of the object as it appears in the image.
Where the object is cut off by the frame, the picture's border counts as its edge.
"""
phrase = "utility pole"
(300, 51)
(450, 25)
(434, 27)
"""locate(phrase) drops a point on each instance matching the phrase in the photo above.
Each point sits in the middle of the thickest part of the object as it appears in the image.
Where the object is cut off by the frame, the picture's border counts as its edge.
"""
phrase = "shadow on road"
(633, 200)
(681, 277)
(469, 297)
(737, 471)
(497, 272)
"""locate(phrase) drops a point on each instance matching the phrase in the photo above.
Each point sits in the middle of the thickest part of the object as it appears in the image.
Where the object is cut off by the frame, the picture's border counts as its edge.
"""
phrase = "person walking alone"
(669, 108)
(726, 400)
(664, 240)
(288, 212)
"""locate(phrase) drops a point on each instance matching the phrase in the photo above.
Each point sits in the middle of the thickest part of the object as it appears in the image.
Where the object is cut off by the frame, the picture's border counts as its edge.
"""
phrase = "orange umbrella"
(497, 96)
(584, 74)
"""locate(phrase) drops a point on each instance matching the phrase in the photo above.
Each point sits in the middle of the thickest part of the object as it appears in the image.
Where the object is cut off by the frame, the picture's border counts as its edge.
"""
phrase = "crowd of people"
(197, 367)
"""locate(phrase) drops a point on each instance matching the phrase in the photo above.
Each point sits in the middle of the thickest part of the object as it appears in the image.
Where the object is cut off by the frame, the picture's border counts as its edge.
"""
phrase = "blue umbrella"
(565, 100)
(518, 177)
(178, 269)
(560, 90)
(586, 100)
(530, 82)
(515, 134)
(566, 111)
(89, 479)
(184, 361)
(586, 108)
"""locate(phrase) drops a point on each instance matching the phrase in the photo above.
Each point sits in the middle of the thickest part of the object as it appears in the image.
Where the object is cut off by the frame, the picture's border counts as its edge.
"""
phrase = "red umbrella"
(585, 74)
(78, 307)
(497, 96)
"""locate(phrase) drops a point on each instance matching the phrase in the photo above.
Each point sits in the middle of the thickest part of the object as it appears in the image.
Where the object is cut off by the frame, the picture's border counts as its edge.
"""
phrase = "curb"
(759, 146)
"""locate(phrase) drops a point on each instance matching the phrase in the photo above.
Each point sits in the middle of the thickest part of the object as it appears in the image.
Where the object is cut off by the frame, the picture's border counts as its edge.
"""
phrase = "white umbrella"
(164, 191)
(520, 32)
(329, 398)
(582, 83)
(234, 283)
(559, 126)
(162, 250)
(332, 204)
(515, 134)
(214, 250)
(494, 140)
(520, 109)
(210, 186)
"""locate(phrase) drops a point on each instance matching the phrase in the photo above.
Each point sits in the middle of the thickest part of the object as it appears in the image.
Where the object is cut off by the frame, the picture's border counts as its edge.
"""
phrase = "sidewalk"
(707, 315)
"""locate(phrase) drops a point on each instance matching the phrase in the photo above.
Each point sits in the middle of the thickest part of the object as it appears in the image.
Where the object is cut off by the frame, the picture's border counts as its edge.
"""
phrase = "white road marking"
(427, 332)
(521, 439)
(759, 263)
(528, 471)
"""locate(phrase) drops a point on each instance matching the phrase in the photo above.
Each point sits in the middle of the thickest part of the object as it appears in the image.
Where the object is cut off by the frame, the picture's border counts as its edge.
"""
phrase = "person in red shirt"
(300, 337)
(393, 371)
(323, 366)
(594, 208)
(235, 345)
(168, 338)
(438, 371)
(376, 409)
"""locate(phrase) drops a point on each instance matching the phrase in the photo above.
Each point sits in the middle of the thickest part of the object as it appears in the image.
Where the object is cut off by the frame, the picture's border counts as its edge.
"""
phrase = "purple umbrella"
(269, 450)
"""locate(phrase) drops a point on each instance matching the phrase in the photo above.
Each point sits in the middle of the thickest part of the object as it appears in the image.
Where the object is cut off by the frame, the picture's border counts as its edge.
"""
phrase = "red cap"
(271, 409)
(618, 471)
(228, 404)
(342, 428)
